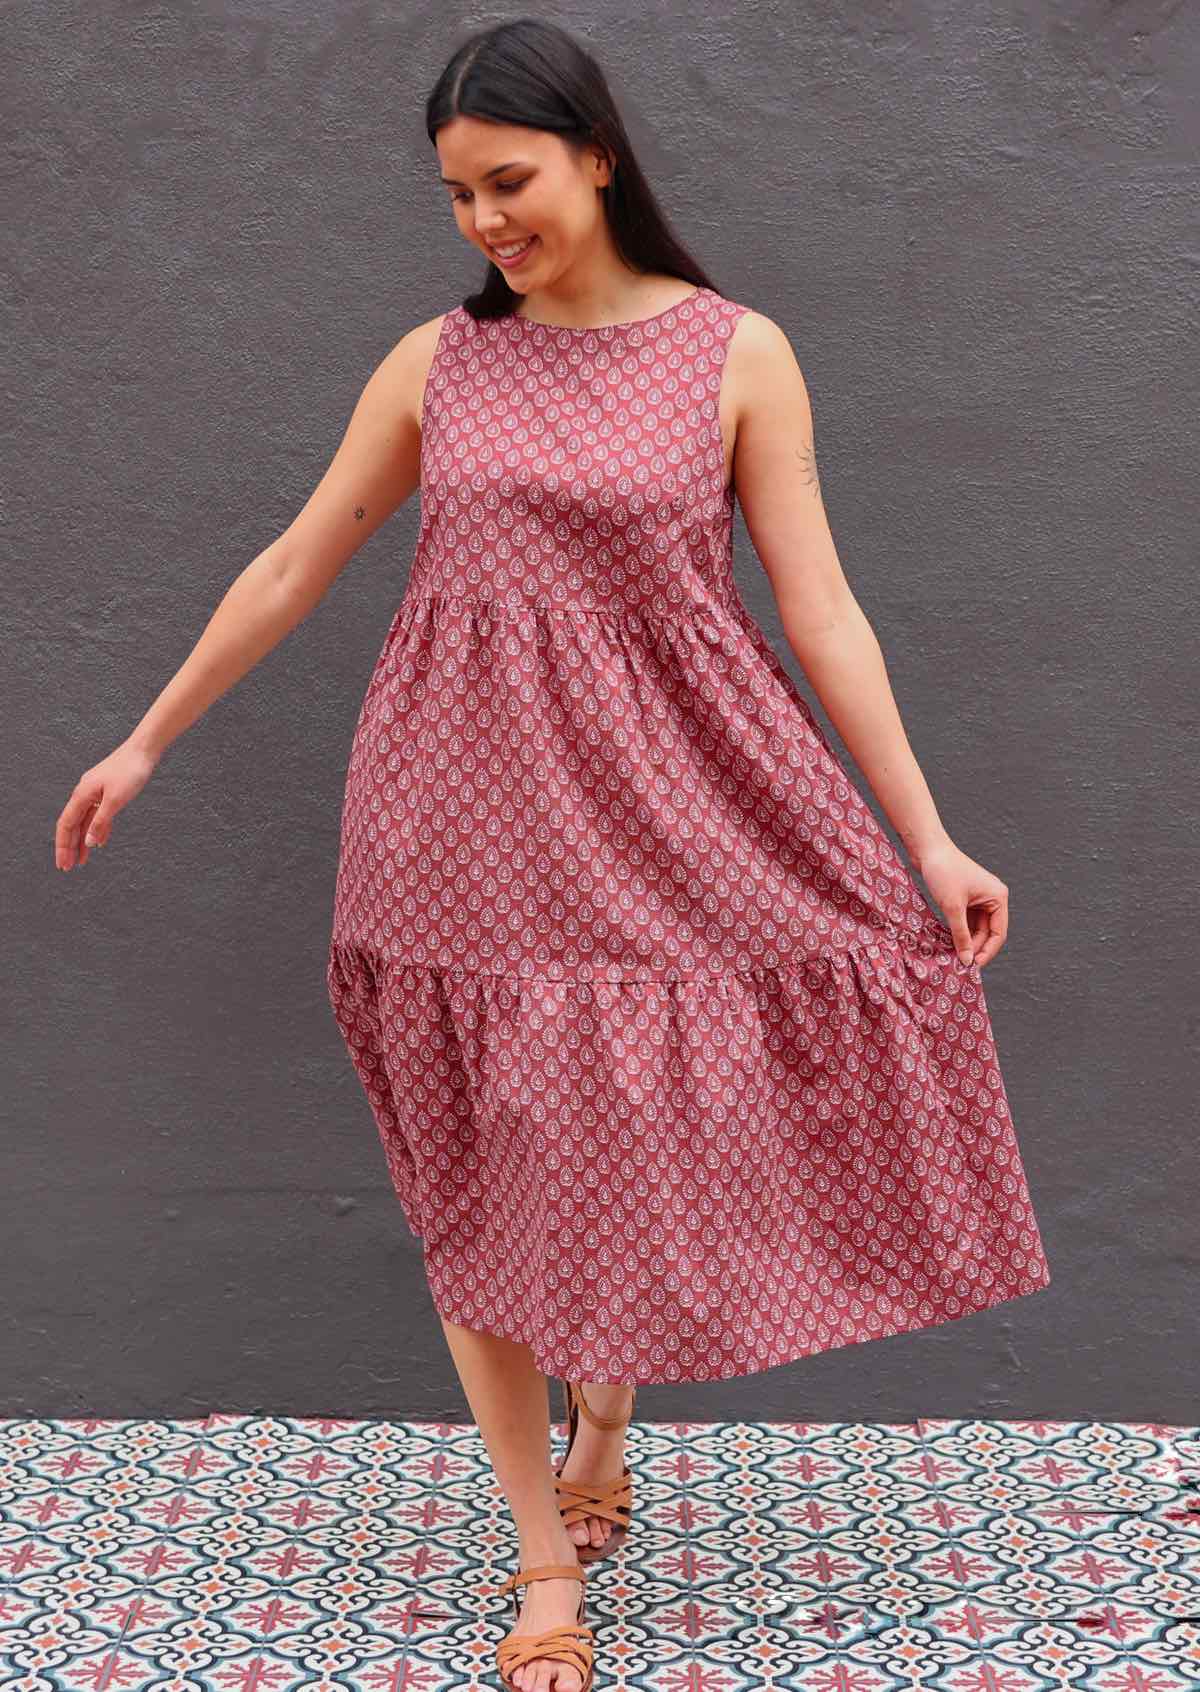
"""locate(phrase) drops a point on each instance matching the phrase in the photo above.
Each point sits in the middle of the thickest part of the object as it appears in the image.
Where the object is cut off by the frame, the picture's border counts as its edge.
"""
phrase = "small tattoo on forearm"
(808, 467)
(358, 511)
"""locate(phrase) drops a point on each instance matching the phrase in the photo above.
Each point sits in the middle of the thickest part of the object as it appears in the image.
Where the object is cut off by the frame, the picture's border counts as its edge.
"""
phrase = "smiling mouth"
(511, 249)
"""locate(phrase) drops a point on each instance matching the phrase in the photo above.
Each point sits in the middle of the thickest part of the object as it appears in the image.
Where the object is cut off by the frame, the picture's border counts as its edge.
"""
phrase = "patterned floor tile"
(263, 1553)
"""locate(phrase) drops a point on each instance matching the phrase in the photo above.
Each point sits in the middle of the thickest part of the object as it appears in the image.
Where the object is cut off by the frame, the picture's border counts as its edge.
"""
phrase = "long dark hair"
(533, 73)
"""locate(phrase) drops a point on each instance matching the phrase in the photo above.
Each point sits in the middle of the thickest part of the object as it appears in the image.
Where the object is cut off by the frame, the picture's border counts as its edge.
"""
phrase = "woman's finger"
(85, 824)
(960, 934)
(66, 834)
(994, 932)
(76, 814)
(96, 830)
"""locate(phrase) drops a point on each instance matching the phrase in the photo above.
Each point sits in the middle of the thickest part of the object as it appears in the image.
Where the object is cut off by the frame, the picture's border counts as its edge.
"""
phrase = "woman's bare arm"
(775, 474)
(375, 469)
(372, 473)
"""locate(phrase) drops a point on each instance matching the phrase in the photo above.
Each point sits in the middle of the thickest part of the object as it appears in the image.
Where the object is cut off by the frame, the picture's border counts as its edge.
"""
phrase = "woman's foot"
(598, 1454)
(548, 1603)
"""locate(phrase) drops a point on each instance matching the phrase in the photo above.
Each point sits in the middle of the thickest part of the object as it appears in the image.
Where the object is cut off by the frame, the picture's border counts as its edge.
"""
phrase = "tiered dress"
(677, 1073)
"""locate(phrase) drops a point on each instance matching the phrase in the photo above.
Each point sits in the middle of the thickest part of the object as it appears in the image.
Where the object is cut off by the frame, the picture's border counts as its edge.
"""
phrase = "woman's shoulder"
(757, 344)
(758, 332)
(758, 351)
(406, 368)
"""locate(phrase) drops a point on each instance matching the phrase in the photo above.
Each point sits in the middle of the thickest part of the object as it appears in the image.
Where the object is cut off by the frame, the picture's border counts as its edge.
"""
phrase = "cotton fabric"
(677, 1074)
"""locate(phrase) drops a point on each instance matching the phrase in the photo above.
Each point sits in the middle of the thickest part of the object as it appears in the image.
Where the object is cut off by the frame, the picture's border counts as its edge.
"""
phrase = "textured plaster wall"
(977, 224)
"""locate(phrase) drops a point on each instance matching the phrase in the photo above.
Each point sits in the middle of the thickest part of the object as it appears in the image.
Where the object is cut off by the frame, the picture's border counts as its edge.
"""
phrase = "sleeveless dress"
(677, 1074)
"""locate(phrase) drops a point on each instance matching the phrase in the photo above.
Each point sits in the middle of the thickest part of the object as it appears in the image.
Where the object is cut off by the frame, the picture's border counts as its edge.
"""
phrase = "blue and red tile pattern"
(264, 1553)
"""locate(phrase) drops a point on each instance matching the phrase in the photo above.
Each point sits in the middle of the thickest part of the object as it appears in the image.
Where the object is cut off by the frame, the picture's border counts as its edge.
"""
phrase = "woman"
(678, 1075)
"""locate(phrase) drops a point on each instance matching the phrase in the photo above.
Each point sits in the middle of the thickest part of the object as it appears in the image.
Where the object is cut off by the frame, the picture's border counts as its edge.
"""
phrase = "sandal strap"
(612, 1500)
(540, 1571)
(571, 1644)
(600, 1421)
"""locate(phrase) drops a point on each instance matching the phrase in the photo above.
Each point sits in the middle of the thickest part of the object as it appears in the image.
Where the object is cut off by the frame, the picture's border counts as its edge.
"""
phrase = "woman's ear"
(608, 166)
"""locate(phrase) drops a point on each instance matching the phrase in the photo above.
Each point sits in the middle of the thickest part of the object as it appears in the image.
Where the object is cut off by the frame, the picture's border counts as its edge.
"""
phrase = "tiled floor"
(261, 1554)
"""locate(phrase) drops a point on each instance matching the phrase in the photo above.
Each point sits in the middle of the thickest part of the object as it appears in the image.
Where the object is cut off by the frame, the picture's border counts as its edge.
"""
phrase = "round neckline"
(600, 328)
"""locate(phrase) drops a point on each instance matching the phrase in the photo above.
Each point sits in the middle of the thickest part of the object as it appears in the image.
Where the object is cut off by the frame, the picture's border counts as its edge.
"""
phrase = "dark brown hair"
(533, 73)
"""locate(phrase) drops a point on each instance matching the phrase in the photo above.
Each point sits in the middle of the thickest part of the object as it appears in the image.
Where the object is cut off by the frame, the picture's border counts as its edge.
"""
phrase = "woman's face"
(546, 195)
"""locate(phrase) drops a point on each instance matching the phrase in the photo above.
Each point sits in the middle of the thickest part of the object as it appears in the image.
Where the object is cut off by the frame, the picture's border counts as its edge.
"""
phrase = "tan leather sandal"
(612, 1500)
(570, 1644)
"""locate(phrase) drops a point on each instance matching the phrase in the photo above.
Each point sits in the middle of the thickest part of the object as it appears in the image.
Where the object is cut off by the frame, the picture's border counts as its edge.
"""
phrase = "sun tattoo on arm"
(359, 512)
(808, 468)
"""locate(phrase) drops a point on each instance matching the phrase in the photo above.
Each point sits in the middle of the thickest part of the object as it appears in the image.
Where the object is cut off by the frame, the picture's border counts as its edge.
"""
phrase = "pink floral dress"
(677, 1073)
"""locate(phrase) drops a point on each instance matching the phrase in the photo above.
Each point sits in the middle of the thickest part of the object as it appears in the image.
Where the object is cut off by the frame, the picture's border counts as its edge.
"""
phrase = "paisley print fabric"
(677, 1074)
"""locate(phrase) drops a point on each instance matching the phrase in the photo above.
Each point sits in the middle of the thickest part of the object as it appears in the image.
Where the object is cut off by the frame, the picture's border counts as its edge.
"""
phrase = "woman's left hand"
(973, 901)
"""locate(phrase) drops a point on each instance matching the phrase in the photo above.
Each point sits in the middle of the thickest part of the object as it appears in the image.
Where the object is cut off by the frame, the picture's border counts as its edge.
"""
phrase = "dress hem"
(775, 1357)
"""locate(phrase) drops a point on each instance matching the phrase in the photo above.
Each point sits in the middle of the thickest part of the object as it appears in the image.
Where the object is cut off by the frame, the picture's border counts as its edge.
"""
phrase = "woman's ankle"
(546, 1545)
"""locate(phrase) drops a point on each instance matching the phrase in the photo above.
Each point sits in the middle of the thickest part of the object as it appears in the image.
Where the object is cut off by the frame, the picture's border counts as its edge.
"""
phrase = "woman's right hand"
(86, 818)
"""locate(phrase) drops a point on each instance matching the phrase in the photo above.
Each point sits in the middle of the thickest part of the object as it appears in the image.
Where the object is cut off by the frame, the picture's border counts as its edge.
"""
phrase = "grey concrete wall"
(978, 225)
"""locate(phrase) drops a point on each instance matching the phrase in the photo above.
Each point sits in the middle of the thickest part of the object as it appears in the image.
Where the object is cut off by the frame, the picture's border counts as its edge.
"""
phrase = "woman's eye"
(505, 188)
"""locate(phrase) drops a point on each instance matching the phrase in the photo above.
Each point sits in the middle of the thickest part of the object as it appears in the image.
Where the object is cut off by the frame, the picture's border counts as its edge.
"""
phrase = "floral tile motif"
(266, 1553)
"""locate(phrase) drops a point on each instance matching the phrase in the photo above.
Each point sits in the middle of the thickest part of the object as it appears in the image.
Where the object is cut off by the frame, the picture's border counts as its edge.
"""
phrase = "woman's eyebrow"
(453, 182)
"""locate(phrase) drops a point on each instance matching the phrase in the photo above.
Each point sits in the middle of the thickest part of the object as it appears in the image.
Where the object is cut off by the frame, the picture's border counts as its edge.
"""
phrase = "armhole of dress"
(432, 381)
(733, 315)
(439, 353)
